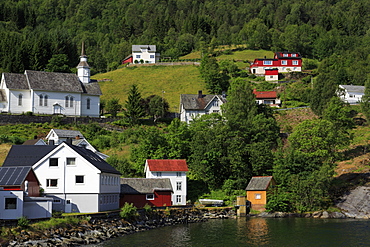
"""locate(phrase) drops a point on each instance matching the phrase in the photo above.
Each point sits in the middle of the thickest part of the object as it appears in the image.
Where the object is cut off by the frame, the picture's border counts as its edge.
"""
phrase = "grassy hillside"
(166, 81)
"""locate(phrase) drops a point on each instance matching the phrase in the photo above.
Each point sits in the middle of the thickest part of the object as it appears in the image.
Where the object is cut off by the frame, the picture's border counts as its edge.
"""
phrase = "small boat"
(211, 202)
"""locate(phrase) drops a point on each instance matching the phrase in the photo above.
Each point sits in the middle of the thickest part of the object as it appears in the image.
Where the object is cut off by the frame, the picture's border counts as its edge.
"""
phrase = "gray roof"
(353, 89)
(67, 133)
(194, 102)
(28, 155)
(16, 81)
(52, 81)
(259, 183)
(92, 88)
(139, 47)
(144, 185)
(13, 176)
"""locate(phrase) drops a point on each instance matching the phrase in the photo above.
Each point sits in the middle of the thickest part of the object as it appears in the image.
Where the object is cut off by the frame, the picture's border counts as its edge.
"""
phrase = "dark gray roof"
(68, 133)
(2, 95)
(92, 88)
(259, 183)
(152, 48)
(194, 102)
(144, 185)
(16, 81)
(28, 155)
(353, 89)
(13, 176)
(52, 81)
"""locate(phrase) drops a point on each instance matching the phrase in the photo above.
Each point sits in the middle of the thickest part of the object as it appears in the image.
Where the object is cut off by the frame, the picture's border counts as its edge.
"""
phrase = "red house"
(128, 59)
(267, 97)
(283, 61)
(155, 192)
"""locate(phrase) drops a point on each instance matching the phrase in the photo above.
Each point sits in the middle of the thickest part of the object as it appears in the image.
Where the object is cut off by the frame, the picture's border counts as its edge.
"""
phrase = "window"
(66, 101)
(284, 62)
(159, 174)
(178, 198)
(71, 161)
(57, 201)
(71, 101)
(150, 196)
(41, 100)
(11, 203)
(178, 174)
(79, 179)
(295, 62)
(216, 111)
(285, 55)
(46, 100)
(267, 62)
(257, 196)
(151, 56)
(88, 101)
(294, 55)
(178, 185)
(137, 56)
(51, 182)
(53, 162)
(20, 97)
(215, 103)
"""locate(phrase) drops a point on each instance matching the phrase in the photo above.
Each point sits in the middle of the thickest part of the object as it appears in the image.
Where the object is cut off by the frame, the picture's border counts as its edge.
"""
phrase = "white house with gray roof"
(147, 53)
(351, 94)
(195, 105)
(49, 93)
(77, 179)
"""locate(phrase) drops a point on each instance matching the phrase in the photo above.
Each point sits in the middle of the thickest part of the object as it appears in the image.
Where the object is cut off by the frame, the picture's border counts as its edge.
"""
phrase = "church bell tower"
(83, 69)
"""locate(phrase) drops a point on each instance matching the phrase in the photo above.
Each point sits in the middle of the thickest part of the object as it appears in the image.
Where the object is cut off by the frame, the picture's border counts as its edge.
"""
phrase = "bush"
(23, 222)
(147, 208)
(128, 211)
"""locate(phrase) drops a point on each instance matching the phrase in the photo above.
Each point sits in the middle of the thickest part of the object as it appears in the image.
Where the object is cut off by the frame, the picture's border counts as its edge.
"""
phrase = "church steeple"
(83, 68)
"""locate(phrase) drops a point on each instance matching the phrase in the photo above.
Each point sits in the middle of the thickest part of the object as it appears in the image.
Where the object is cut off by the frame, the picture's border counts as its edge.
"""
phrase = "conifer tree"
(134, 109)
(365, 101)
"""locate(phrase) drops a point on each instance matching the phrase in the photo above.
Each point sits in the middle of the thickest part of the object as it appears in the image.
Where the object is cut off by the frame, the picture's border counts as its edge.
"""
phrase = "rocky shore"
(97, 230)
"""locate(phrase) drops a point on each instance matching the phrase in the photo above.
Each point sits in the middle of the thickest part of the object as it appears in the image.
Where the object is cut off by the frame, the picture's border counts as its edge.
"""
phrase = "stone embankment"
(318, 214)
(98, 230)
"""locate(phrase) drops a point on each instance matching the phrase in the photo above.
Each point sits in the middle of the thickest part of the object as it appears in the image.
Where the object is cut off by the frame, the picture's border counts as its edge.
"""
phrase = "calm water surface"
(254, 232)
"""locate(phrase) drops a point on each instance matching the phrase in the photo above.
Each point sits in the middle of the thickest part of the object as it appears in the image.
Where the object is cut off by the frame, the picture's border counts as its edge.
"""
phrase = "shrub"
(147, 208)
(23, 222)
(128, 211)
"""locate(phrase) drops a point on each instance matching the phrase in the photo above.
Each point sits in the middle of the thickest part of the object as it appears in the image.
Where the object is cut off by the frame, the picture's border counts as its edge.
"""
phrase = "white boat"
(212, 202)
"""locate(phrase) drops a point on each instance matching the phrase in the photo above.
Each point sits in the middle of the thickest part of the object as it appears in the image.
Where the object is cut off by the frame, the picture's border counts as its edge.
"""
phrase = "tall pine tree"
(134, 109)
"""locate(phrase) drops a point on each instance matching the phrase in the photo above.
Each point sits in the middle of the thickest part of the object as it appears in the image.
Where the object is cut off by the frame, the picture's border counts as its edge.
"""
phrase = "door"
(68, 206)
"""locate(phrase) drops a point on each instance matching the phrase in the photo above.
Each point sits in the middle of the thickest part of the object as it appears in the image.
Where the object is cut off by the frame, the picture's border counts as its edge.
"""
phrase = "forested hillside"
(33, 31)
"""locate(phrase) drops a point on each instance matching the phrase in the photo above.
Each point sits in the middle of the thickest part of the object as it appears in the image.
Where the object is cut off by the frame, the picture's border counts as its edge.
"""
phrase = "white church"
(49, 93)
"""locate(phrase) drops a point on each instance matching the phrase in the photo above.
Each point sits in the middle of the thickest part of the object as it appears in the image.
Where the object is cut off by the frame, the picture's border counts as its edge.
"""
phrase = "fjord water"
(254, 232)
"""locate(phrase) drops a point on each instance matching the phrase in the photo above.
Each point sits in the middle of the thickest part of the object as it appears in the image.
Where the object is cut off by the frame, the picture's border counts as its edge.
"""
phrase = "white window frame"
(20, 99)
(257, 196)
(159, 174)
(179, 186)
(294, 55)
(178, 198)
(178, 174)
(88, 103)
(149, 197)
(267, 62)
(284, 62)
(41, 100)
(138, 56)
(79, 176)
(69, 163)
(49, 182)
(6, 205)
(57, 162)
(152, 56)
(285, 55)
(46, 100)
(295, 62)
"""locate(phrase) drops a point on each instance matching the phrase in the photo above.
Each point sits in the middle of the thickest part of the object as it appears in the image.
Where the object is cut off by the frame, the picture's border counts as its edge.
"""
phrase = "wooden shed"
(257, 191)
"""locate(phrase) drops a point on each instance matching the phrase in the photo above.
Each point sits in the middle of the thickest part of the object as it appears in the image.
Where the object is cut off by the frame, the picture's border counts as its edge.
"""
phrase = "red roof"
(167, 165)
(265, 94)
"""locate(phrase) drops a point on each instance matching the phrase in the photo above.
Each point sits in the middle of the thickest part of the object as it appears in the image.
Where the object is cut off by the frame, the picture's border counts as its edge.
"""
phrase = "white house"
(77, 179)
(58, 136)
(175, 170)
(146, 53)
(42, 92)
(351, 94)
(195, 105)
(20, 195)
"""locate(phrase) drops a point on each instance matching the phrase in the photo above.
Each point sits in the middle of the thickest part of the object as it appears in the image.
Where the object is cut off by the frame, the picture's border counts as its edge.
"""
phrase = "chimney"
(69, 141)
(200, 95)
(51, 142)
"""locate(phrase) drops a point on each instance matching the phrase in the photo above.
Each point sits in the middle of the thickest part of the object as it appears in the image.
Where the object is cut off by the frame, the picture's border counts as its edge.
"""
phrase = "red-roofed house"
(175, 170)
(283, 61)
(267, 97)
(271, 74)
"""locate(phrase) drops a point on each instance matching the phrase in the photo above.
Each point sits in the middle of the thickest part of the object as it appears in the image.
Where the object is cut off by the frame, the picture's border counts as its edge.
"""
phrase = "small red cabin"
(155, 192)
